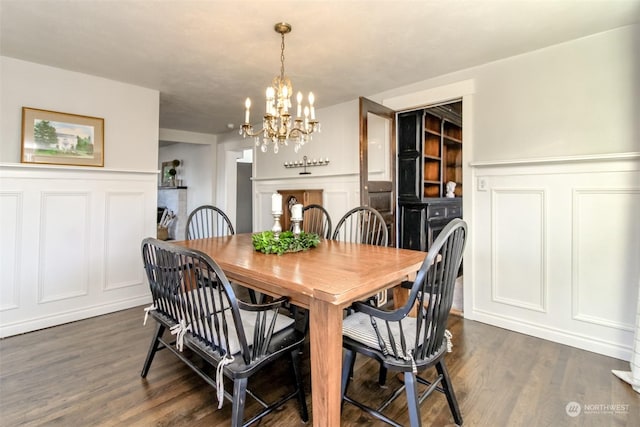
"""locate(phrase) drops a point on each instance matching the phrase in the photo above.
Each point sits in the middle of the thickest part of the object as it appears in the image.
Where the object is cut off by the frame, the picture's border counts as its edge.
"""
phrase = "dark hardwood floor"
(87, 373)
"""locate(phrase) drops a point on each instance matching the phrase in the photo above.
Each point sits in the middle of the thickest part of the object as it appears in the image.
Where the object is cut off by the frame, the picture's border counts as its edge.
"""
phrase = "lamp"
(277, 126)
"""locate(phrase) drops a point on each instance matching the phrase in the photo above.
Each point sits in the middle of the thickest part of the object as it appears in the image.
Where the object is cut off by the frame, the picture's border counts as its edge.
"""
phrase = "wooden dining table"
(325, 280)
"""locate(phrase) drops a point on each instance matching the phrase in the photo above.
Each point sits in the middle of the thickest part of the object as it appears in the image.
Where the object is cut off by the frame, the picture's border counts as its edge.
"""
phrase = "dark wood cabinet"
(429, 152)
(291, 197)
(429, 156)
(421, 222)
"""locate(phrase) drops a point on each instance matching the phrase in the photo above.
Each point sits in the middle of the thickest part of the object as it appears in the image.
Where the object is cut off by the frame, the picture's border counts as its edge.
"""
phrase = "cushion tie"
(179, 330)
(220, 378)
(146, 313)
(448, 335)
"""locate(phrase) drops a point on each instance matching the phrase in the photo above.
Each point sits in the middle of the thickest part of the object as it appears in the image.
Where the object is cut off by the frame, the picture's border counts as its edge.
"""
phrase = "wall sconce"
(306, 163)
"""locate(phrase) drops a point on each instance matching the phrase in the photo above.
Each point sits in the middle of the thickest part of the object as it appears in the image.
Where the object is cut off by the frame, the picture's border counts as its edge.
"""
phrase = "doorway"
(461, 92)
(429, 176)
(244, 204)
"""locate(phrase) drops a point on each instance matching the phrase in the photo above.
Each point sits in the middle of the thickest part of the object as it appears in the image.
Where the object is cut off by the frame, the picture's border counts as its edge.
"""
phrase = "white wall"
(130, 112)
(70, 236)
(576, 98)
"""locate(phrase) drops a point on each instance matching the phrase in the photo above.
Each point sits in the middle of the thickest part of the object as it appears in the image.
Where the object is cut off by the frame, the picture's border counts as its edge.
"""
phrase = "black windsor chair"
(364, 224)
(411, 344)
(193, 298)
(207, 221)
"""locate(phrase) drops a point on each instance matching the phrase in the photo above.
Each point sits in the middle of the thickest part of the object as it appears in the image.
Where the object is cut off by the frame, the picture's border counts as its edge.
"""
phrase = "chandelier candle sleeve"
(276, 203)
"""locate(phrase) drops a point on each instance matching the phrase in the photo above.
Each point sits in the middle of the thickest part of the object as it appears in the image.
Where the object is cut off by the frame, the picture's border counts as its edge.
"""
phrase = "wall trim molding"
(305, 177)
(49, 168)
(555, 160)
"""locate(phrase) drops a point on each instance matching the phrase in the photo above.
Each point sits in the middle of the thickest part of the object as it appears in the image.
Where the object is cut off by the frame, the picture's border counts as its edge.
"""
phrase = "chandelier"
(278, 127)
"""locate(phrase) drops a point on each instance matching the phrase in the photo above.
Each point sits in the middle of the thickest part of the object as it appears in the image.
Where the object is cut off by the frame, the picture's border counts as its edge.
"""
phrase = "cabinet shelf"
(451, 140)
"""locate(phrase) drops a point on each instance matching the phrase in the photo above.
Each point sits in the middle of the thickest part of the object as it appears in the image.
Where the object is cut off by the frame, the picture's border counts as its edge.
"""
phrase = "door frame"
(368, 106)
(464, 90)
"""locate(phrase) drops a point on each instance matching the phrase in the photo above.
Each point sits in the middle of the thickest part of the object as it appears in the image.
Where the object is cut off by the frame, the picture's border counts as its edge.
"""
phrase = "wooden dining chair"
(208, 221)
(406, 344)
(316, 219)
(193, 298)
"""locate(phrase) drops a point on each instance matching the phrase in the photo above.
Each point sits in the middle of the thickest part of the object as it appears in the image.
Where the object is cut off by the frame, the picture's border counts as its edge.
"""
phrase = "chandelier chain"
(282, 59)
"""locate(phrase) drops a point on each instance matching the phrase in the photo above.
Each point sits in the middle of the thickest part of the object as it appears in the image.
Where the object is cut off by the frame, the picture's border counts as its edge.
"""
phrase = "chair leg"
(352, 363)
(347, 370)
(448, 391)
(153, 348)
(413, 403)
(302, 401)
(382, 376)
(252, 296)
(239, 399)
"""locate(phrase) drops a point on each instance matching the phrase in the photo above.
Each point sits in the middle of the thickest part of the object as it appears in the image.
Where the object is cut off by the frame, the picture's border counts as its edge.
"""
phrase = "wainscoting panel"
(601, 285)
(63, 261)
(518, 248)
(555, 249)
(10, 218)
(72, 238)
(124, 230)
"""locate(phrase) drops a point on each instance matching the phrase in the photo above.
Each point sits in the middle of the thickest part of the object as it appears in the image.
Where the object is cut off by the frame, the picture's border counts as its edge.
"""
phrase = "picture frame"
(55, 138)
(165, 176)
(169, 174)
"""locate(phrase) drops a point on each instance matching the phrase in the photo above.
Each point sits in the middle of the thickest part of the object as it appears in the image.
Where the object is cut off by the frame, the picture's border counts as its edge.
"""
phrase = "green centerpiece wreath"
(266, 242)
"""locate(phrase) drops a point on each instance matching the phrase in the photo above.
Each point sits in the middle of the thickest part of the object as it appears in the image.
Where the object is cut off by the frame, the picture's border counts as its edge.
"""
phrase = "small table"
(324, 280)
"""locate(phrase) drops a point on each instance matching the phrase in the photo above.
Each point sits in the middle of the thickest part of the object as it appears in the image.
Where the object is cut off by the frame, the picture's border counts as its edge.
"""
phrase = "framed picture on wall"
(50, 137)
(168, 173)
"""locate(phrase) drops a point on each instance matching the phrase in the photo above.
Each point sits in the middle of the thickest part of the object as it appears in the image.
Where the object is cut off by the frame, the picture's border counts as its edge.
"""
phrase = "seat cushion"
(358, 327)
(248, 319)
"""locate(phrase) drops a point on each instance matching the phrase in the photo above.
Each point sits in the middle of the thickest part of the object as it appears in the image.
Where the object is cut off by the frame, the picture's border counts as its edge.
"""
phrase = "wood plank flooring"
(87, 373)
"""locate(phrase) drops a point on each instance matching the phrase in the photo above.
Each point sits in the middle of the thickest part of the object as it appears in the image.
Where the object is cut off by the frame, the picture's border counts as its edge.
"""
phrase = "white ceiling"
(206, 57)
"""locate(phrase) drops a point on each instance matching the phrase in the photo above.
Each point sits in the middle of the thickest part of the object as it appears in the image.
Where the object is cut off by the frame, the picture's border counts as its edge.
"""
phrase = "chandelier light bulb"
(299, 110)
(247, 106)
(311, 107)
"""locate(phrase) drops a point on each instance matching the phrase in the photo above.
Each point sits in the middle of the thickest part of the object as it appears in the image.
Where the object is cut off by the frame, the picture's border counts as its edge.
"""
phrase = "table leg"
(325, 330)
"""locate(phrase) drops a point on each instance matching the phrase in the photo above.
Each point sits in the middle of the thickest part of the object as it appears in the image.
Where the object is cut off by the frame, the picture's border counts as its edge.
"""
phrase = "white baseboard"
(29, 325)
(583, 342)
